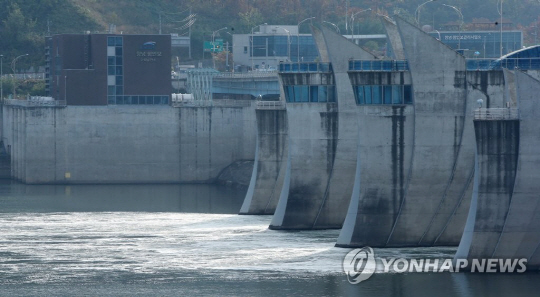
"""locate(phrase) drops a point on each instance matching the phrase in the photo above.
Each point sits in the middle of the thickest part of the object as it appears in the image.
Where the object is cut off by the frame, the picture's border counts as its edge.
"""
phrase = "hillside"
(26, 22)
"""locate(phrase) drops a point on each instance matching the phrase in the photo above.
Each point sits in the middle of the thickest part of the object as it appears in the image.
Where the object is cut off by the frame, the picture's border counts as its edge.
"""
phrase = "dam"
(392, 150)
(125, 143)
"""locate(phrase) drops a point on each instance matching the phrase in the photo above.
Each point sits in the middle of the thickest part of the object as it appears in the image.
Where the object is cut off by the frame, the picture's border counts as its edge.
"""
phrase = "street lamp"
(501, 13)
(298, 38)
(335, 26)
(288, 42)
(13, 63)
(1, 77)
(253, 44)
(460, 25)
(417, 12)
(352, 21)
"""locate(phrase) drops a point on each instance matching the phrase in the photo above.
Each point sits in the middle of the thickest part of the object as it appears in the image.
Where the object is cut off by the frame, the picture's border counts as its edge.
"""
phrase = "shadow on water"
(192, 198)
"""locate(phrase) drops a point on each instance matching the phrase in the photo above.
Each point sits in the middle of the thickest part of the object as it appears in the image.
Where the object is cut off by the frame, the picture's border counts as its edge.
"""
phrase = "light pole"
(13, 63)
(214, 45)
(288, 43)
(417, 12)
(298, 38)
(1, 78)
(460, 25)
(335, 26)
(253, 44)
(352, 21)
(501, 13)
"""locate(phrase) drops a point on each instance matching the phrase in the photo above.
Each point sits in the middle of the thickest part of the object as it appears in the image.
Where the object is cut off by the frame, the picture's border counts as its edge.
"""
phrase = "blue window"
(383, 94)
(367, 92)
(359, 92)
(323, 94)
(376, 94)
(407, 94)
(387, 94)
(314, 93)
(397, 94)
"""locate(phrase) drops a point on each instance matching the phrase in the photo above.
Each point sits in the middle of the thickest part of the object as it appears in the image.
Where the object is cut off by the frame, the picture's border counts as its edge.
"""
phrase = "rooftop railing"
(378, 65)
(270, 105)
(216, 102)
(508, 63)
(305, 67)
(35, 101)
(496, 114)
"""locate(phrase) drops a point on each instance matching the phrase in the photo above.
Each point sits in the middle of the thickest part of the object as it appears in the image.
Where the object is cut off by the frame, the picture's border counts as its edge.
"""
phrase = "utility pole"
(346, 16)
(190, 36)
(160, 23)
(2, 77)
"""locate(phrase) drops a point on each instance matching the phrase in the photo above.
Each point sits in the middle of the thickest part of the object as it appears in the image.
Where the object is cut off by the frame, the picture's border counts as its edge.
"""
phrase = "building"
(108, 69)
(273, 44)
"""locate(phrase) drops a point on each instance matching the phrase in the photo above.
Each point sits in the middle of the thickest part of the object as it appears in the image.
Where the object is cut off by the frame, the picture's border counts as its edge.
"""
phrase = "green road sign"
(215, 47)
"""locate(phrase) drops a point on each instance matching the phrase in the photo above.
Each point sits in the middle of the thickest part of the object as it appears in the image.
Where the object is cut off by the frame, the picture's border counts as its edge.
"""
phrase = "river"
(184, 240)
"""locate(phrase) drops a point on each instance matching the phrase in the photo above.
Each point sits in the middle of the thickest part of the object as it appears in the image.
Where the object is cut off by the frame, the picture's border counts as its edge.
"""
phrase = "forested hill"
(24, 23)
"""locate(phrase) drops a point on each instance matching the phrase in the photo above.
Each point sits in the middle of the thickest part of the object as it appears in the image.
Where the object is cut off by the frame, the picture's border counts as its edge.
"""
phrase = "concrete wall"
(126, 144)
(270, 162)
(415, 162)
(322, 146)
(503, 220)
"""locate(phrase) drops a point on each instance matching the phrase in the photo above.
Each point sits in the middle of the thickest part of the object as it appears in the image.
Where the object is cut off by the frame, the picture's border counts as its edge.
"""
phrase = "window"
(383, 94)
(310, 93)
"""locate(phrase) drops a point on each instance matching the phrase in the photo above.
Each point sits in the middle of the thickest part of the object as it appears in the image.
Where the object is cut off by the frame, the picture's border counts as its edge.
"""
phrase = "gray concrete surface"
(503, 221)
(322, 144)
(416, 161)
(270, 162)
(126, 144)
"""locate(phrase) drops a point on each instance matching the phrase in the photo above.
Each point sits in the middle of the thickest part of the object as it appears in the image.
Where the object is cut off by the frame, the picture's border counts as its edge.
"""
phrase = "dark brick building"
(107, 69)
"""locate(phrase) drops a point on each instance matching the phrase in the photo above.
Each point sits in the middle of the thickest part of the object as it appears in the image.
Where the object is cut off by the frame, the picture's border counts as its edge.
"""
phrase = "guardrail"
(305, 67)
(252, 74)
(208, 103)
(508, 63)
(35, 103)
(378, 65)
(495, 114)
(270, 105)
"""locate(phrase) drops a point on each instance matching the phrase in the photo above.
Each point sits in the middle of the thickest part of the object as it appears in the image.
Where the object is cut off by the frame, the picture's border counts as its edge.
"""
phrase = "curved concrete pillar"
(270, 162)
(394, 38)
(504, 222)
(416, 161)
(322, 143)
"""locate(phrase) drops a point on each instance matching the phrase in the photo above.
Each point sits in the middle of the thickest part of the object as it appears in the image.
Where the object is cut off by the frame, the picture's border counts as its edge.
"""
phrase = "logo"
(148, 46)
(359, 264)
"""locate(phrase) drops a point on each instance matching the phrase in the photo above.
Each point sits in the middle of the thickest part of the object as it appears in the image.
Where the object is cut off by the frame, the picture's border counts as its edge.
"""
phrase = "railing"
(252, 74)
(378, 65)
(34, 102)
(495, 114)
(305, 67)
(207, 103)
(270, 105)
(508, 63)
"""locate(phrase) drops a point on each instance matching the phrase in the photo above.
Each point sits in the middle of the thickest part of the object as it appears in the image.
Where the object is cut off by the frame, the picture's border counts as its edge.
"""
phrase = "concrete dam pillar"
(503, 221)
(270, 159)
(415, 154)
(322, 137)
